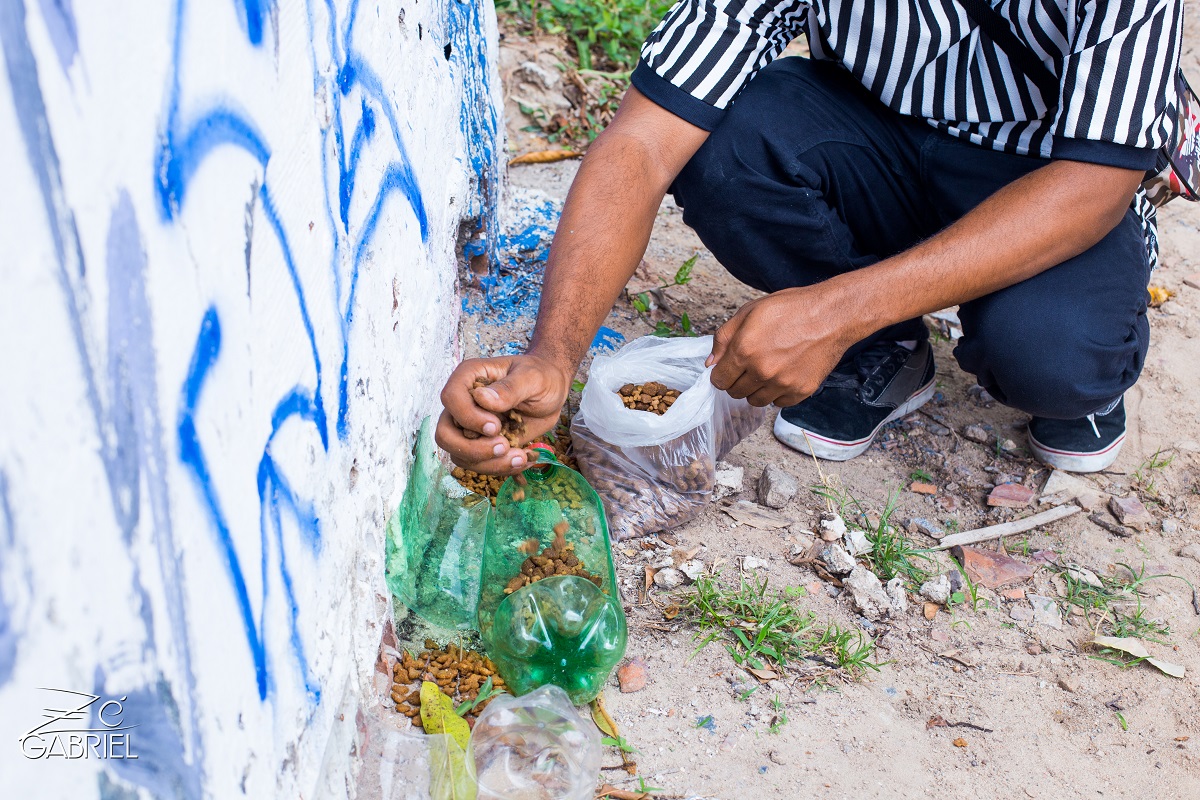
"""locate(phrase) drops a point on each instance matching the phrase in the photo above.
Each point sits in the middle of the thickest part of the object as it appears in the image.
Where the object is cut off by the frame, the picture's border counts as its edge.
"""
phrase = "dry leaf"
(1135, 648)
(671, 611)
(763, 674)
(451, 777)
(603, 721)
(936, 721)
(960, 742)
(544, 157)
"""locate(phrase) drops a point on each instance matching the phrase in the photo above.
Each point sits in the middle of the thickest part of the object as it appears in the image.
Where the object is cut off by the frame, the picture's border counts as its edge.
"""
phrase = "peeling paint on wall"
(234, 289)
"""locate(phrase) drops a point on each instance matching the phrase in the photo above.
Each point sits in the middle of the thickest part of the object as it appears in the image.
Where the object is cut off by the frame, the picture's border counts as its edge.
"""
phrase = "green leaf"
(577, 386)
(684, 274)
(601, 718)
(685, 324)
(662, 329)
(641, 303)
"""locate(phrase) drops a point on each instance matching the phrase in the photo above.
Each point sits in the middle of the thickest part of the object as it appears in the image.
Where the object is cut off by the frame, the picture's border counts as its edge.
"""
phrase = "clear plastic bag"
(435, 541)
(655, 472)
(549, 608)
(535, 747)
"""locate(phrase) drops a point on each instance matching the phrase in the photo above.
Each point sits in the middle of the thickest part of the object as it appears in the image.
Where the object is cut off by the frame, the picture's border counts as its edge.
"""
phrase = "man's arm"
(779, 348)
(601, 237)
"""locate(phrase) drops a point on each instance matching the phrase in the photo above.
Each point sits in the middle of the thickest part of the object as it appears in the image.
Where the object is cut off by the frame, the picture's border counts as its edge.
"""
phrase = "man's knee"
(1049, 367)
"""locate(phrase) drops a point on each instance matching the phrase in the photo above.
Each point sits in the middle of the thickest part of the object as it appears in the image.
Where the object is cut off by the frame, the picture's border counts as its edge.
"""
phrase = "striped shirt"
(1115, 64)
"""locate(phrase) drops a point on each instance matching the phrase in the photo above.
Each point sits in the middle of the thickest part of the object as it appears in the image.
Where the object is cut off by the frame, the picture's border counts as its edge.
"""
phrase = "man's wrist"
(555, 359)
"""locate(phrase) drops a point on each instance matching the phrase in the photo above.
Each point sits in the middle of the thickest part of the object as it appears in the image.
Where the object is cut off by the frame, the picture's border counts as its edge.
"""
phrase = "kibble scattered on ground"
(459, 673)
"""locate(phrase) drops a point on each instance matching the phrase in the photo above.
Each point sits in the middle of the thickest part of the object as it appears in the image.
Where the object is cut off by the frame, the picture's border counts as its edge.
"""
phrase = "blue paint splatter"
(59, 18)
(513, 288)
(607, 339)
(8, 631)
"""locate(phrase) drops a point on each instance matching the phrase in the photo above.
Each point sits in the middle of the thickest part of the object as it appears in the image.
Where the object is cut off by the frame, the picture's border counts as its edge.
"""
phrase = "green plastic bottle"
(434, 541)
(567, 629)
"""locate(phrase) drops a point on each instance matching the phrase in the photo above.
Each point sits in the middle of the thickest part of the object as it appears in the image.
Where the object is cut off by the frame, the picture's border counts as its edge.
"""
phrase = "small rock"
(753, 563)
(1063, 486)
(533, 73)
(1013, 594)
(1192, 280)
(947, 502)
(857, 542)
(1089, 500)
(836, 559)
(833, 528)
(669, 578)
(692, 569)
(929, 610)
(980, 394)
(632, 676)
(1021, 613)
(727, 480)
(1045, 611)
(1170, 526)
(956, 580)
(1130, 511)
(920, 487)
(939, 635)
(976, 433)
(1010, 495)
(936, 590)
(1033, 648)
(1008, 446)
(1068, 683)
(1085, 576)
(897, 597)
(868, 594)
(776, 487)
(990, 568)
(927, 527)
(1190, 551)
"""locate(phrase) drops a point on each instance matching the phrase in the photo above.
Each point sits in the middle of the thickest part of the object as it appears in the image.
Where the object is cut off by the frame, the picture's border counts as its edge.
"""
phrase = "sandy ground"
(1050, 708)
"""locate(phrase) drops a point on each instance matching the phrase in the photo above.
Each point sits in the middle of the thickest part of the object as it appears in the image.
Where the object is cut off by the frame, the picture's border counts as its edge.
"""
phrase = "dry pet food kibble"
(558, 558)
(512, 423)
(651, 396)
(458, 673)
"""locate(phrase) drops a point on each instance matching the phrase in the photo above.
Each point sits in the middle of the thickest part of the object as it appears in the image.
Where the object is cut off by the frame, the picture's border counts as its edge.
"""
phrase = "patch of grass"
(762, 628)
(605, 33)
(892, 553)
(1114, 608)
(618, 742)
(1145, 477)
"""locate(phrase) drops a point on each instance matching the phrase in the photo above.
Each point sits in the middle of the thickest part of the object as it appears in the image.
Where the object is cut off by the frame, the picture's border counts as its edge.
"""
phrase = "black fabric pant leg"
(1067, 342)
(807, 176)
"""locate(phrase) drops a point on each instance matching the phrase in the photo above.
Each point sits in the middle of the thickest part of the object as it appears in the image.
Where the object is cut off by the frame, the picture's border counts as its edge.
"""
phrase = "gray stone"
(833, 528)
(868, 594)
(669, 578)
(976, 433)
(776, 487)
(1008, 445)
(727, 480)
(936, 590)
(857, 542)
(1021, 613)
(1063, 486)
(927, 527)
(897, 596)
(836, 559)
(1170, 526)
(692, 569)
(1190, 551)
(1045, 611)
(751, 563)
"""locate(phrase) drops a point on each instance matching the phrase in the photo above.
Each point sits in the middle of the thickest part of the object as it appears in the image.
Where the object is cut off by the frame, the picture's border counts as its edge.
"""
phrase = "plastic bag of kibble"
(650, 429)
(549, 608)
(434, 541)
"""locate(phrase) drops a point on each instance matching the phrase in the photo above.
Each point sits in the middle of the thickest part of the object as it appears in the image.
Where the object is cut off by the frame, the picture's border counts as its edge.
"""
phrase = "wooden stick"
(1008, 528)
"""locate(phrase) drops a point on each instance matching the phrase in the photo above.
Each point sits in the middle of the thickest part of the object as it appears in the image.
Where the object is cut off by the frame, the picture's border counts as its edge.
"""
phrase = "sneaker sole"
(829, 449)
(1070, 461)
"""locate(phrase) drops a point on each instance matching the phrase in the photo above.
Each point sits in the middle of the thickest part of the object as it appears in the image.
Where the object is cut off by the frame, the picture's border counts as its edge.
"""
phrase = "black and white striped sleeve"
(1117, 82)
(704, 51)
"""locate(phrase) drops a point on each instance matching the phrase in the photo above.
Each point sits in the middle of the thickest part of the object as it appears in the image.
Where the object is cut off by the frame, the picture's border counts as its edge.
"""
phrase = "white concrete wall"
(227, 296)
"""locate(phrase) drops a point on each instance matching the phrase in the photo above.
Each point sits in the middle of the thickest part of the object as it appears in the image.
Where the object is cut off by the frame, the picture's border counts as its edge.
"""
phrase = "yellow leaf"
(544, 157)
(452, 776)
(1159, 295)
(603, 721)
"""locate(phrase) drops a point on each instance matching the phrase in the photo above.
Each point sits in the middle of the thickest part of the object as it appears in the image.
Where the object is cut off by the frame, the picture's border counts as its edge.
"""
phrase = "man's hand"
(779, 348)
(529, 384)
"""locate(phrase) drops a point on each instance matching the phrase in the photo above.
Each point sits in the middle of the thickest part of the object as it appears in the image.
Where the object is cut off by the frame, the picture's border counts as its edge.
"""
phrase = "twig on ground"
(1008, 528)
(1110, 526)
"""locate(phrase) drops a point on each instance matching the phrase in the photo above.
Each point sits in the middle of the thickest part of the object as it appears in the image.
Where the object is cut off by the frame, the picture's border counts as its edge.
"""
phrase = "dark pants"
(808, 176)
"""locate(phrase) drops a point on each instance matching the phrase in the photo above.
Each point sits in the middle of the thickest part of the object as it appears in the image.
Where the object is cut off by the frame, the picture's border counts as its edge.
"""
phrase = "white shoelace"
(1092, 419)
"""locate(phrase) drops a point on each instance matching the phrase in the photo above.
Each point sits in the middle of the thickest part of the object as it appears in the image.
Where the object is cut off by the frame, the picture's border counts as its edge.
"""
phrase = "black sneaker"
(880, 384)
(1087, 444)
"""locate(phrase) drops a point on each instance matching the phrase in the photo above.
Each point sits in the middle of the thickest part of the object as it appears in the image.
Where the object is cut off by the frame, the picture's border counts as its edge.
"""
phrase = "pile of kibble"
(558, 558)
(651, 396)
(512, 422)
(489, 485)
(459, 673)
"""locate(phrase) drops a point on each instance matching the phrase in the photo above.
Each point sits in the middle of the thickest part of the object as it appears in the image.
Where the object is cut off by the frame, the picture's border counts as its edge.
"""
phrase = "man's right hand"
(530, 384)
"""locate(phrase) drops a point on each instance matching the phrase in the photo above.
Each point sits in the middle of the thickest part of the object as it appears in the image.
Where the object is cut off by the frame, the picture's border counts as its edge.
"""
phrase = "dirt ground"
(1051, 720)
